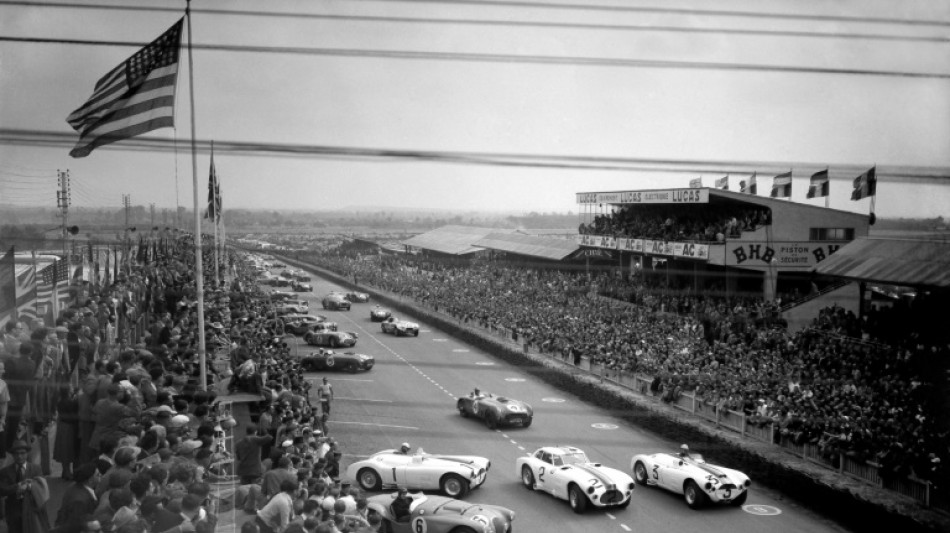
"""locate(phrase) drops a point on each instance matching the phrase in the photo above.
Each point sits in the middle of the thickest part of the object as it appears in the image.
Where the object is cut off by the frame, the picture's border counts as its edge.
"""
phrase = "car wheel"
(640, 473)
(490, 421)
(527, 422)
(694, 496)
(577, 499)
(335, 342)
(527, 477)
(453, 486)
(368, 479)
(415, 333)
(461, 409)
(741, 499)
(465, 529)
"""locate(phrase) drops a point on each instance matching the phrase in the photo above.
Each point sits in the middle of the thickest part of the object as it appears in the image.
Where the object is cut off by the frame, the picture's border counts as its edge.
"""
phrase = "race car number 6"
(419, 525)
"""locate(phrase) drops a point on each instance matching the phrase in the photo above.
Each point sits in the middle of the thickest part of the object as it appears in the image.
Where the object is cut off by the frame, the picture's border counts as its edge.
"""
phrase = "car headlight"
(516, 408)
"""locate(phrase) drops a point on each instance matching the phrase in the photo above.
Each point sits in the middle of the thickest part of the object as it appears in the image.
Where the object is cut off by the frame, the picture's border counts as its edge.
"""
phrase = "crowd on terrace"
(707, 225)
(872, 401)
(116, 379)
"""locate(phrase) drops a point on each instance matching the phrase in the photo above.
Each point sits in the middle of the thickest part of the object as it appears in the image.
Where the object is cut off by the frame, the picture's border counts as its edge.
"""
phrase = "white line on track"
(361, 399)
(351, 379)
(521, 448)
(624, 527)
(610, 516)
(370, 424)
(513, 442)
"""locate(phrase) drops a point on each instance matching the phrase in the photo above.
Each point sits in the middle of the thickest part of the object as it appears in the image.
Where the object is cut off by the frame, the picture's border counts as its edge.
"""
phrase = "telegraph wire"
(503, 23)
(506, 58)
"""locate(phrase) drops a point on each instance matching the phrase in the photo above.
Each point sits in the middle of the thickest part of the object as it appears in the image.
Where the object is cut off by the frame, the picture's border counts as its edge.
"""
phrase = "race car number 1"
(419, 525)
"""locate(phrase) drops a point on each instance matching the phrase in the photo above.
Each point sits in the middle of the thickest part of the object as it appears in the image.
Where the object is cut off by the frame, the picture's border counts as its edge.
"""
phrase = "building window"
(831, 234)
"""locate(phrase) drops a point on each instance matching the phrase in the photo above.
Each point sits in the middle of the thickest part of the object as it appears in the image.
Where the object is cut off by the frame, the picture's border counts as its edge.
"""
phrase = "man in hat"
(15, 482)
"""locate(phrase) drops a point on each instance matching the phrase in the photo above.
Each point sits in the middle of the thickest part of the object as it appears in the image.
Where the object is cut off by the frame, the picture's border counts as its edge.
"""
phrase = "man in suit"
(15, 481)
(79, 499)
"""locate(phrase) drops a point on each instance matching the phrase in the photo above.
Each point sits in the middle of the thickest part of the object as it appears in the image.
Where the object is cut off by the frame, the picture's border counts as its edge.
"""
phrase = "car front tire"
(640, 473)
(527, 477)
(453, 486)
(369, 479)
(490, 421)
(461, 409)
(740, 501)
(577, 499)
(694, 496)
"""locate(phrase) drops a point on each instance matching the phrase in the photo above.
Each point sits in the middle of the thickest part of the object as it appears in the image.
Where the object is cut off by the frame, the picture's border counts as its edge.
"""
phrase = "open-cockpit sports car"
(336, 301)
(690, 475)
(398, 327)
(328, 360)
(495, 410)
(334, 339)
(379, 314)
(565, 472)
(357, 297)
(453, 475)
(436, 514)
(303, 324)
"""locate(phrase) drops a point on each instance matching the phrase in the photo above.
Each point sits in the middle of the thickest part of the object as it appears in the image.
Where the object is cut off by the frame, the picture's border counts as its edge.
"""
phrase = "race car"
(565, 472)
(436, 514)
(335, 300)
(378, 314)
(301, 276)
(495, 410)
(688, 474)
(282, 295)
(334, 339)
(399, 327)
(357, 297)
(342, 362)
(296, 307)
(453, 475)
(297, 286)
(303, 324)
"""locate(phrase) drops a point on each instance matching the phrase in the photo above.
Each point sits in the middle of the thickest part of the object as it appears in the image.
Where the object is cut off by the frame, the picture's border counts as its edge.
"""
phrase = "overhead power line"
(499, 23)
(676, 11)
(719, 13)
(507, 58)
(66, 140)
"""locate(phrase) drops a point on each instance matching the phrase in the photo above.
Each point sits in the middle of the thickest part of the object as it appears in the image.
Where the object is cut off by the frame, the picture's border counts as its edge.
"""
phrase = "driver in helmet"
(477, 394)
(404, 449)
(684, 452)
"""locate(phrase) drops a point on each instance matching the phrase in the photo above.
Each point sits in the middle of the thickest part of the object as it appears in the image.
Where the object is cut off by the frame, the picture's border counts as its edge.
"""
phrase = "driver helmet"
(684, 450)
(476, 392)
(404, 448)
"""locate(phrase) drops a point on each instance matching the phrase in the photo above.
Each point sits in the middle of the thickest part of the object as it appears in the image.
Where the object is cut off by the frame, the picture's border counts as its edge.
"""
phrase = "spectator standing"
(249, 451)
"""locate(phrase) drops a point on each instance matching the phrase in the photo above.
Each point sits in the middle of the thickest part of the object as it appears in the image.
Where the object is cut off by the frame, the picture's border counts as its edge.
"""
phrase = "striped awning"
(891, 261)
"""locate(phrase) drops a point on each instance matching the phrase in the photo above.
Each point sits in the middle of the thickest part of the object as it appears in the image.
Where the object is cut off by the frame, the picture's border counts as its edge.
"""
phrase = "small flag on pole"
(818, 187)
(723, 183)
(865, 185)
(748, 186)
(782, 185)
(214, 193)
(696, 183)
(135, 97)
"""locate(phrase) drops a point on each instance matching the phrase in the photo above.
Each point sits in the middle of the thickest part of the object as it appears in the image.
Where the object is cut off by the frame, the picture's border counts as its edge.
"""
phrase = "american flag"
(56, 272)
(135, 97)
(52, 278)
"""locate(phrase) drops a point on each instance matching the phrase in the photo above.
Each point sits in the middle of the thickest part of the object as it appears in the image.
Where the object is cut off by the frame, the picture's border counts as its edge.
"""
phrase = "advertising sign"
(662, 196)
(780, 255)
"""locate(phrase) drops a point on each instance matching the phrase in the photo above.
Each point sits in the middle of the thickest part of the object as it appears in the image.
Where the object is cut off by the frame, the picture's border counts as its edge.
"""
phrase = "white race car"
(688, 474)
(566, 473)
(399, 327)
(453, 475)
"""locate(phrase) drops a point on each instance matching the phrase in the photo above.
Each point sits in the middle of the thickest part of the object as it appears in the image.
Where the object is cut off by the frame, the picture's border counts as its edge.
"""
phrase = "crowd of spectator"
(117, 380)
(872, 401)
(701, 226)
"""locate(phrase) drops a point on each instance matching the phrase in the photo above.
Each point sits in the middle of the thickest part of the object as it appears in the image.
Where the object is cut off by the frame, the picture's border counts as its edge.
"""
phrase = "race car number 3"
(419, 525)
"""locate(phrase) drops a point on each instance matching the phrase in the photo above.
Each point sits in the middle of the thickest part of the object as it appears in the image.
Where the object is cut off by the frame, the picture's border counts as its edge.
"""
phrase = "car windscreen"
(574, 458)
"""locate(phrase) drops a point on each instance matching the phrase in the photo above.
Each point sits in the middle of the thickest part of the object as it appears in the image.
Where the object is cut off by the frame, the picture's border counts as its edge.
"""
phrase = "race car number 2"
(419, 525)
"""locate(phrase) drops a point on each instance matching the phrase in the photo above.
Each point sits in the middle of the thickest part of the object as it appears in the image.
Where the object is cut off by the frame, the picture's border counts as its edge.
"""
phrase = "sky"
(631, 98)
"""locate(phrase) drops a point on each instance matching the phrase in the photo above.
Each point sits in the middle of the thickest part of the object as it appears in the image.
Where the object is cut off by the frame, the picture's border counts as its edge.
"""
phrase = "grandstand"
(704, 239)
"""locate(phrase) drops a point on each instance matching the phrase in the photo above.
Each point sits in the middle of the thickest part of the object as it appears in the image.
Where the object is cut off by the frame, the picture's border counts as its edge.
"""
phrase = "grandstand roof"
(892, 261)
(516, 243)
(454, 240)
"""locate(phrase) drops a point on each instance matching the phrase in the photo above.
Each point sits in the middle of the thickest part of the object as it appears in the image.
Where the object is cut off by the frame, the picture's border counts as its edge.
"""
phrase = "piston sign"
(780, 254)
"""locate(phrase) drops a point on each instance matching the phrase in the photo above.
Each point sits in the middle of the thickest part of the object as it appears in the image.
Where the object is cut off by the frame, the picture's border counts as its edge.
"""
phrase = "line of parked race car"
(563, 471)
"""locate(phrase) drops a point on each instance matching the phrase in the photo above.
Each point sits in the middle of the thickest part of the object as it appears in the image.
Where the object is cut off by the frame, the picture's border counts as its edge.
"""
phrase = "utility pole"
(151, 207)
(165, 217)
(126, 203)
(63, 201)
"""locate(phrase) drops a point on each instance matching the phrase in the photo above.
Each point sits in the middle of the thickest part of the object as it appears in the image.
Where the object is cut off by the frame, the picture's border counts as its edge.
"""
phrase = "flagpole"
(199, 268)
(214, 215)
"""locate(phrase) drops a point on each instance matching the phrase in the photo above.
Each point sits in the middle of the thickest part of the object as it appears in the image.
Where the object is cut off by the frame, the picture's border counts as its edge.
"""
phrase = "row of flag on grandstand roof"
(864, 186)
